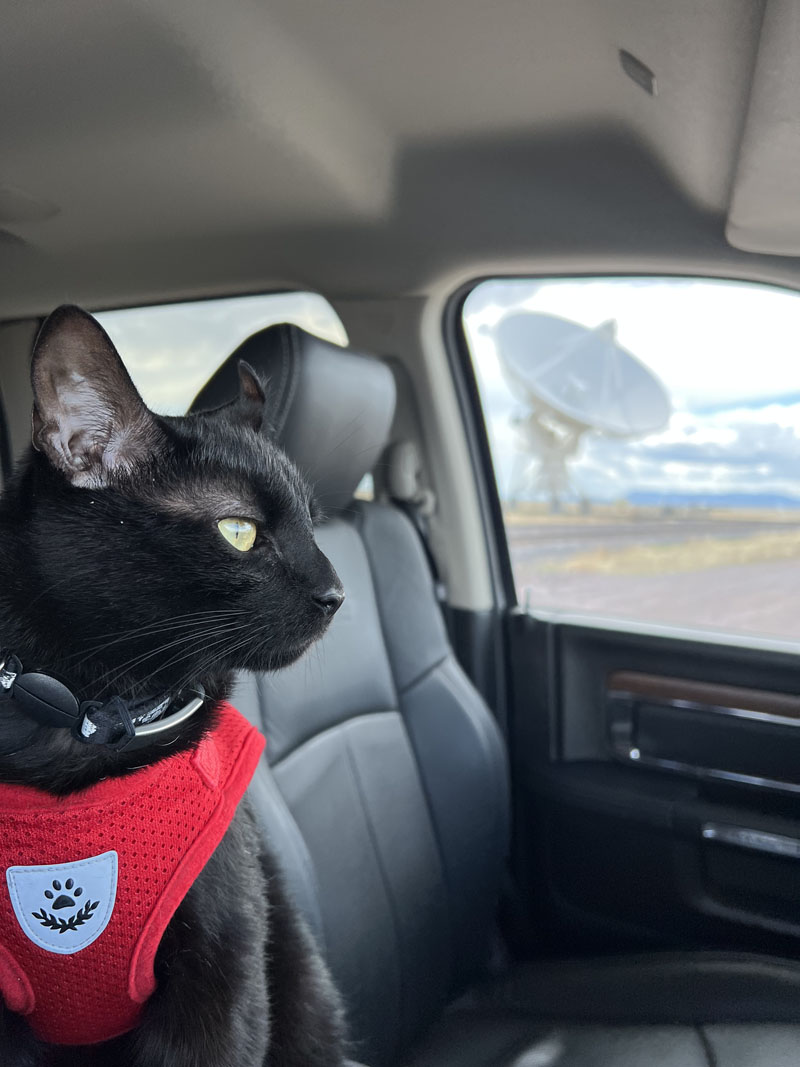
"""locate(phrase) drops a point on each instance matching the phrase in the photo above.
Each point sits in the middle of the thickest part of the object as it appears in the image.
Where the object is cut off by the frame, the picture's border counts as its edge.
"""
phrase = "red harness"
(90, 881)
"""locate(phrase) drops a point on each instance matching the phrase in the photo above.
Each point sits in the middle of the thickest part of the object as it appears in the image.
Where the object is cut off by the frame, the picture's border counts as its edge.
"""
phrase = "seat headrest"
(329, 408)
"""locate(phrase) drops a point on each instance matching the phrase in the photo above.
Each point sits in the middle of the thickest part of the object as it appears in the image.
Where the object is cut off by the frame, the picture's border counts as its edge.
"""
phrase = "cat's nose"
(329, 601)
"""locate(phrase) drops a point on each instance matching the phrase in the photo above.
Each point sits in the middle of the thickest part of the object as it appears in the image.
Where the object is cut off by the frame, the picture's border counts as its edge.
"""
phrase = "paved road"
(760, 598)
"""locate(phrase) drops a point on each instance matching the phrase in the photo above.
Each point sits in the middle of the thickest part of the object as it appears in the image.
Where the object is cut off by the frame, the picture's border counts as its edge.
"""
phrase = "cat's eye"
(241, 533)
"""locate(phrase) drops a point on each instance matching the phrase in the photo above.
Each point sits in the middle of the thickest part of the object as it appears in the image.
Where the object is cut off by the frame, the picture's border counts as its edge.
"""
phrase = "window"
(172, 350)
(646, 440)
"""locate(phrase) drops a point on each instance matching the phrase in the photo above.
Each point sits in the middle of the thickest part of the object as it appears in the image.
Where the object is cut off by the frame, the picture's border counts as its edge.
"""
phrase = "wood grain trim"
(658, 688)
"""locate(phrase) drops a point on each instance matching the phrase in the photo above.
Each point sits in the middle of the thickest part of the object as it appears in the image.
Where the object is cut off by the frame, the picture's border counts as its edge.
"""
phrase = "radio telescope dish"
(581, 374)
(574, 379)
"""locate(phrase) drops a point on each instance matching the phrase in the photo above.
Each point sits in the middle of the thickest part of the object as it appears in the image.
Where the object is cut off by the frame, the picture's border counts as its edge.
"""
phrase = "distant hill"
(713, 500)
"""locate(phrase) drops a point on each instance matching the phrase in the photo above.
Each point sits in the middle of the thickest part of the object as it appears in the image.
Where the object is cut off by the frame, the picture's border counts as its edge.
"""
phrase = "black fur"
(114, 576)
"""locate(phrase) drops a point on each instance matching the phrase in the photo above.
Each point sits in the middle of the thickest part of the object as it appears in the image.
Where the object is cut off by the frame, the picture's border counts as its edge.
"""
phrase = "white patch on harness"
(64, 907)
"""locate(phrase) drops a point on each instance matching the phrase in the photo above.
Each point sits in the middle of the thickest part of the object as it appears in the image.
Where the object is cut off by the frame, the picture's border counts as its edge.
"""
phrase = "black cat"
(142, 555)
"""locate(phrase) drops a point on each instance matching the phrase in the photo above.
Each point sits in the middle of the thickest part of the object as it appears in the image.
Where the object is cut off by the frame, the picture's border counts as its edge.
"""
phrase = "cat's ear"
(252, 400)
(251, 388)
(88, 418)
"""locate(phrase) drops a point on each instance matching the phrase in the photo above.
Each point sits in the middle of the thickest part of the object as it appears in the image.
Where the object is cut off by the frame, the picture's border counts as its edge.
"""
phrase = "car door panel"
(694, 842)
(655, 760)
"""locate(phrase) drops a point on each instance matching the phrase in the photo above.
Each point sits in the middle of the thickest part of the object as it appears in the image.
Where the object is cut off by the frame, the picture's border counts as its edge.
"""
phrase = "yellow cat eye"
(241, 533)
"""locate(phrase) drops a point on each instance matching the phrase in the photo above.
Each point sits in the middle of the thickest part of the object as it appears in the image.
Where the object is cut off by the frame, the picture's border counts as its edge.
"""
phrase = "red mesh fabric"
(164, 822)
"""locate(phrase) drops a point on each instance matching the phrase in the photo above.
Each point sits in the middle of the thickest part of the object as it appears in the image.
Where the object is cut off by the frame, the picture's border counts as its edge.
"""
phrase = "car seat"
(384, 792)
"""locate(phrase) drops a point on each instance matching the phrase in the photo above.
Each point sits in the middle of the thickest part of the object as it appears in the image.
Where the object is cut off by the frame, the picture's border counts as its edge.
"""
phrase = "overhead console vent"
(764, 213)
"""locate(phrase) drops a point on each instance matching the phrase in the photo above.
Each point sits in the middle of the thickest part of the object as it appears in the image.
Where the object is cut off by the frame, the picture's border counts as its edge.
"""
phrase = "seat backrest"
(385, 794)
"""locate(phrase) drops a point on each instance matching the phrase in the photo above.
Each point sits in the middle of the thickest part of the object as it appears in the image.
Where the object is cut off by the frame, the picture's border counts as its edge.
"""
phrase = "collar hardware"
(9, 669)
(116, 723)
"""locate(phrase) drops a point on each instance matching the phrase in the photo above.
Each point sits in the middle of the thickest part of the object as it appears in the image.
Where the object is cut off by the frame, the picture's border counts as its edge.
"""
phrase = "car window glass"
(645, 434)
(171, 350)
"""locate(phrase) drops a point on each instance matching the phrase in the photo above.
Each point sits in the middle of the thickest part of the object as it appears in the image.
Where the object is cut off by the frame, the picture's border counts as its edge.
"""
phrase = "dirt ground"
(730, 573)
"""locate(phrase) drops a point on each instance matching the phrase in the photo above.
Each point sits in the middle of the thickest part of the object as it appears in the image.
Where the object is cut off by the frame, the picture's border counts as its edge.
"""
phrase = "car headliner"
(160, 149)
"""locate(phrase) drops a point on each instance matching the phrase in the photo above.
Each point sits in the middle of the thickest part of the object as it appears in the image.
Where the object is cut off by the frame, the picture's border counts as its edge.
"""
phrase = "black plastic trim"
(466, 384)
(6, 456)
(472, 634)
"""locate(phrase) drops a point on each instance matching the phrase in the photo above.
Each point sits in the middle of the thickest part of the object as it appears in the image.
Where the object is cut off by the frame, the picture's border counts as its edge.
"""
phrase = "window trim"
(467, 393)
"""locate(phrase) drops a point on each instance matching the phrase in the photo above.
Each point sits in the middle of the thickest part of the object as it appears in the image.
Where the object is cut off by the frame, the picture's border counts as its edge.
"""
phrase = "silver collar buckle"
(7, 676)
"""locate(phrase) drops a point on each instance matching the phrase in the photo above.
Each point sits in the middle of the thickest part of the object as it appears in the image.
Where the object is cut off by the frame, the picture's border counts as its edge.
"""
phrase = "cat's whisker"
(354, 423)
(220, 654)
(192, 636)
(186, 617)
(187, 640)
(154, 628)
(188, 645)
(212, 644)
(53, 585)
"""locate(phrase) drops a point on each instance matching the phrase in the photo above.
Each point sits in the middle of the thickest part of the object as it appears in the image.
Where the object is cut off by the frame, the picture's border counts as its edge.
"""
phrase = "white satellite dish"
(574, 379)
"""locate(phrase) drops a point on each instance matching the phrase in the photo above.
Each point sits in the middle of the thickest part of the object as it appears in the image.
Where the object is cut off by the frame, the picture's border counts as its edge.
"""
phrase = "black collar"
(117, 723)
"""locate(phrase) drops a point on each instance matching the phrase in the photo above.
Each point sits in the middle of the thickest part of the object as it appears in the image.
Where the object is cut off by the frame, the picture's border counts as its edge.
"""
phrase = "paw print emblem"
(62, 901)
(67, 899)
(64, 907)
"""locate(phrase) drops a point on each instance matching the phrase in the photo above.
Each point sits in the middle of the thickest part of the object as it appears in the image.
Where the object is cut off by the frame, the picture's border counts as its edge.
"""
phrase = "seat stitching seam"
(300, 848)
(401, 984)
(360, 523)
(484, 729)
(436, 836)
(708, 1048)
(293, 371)
(312, 737)
(424, 674)
(285, 391)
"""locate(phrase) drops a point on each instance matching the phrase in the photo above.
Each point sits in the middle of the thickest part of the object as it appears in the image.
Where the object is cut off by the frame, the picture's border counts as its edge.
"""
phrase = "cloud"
(728, 354)
(696, 454)
(172, 350)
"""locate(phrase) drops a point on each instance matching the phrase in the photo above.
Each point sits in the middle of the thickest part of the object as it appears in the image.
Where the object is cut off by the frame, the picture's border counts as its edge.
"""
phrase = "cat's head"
(162, 550)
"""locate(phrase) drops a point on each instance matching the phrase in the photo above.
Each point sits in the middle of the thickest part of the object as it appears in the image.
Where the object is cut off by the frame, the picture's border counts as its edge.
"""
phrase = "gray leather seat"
(384, 791)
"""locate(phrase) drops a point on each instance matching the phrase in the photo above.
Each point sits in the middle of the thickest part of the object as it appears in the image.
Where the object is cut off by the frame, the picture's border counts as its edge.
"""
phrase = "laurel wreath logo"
(62, 925)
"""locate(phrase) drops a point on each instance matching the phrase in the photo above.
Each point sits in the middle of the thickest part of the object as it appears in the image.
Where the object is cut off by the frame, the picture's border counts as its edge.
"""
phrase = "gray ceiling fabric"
(166, 149)
(765, 206)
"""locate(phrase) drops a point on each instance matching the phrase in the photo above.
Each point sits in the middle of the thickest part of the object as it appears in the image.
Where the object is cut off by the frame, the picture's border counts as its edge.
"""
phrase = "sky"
(172, 350)
(727, 354)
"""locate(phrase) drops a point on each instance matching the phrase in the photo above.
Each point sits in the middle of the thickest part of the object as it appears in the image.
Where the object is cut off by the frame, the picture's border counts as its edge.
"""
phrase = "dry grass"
(699, 554)
(536, 513)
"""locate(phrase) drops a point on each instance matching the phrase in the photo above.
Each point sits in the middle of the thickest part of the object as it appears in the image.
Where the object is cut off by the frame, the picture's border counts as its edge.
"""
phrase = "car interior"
(521, 836)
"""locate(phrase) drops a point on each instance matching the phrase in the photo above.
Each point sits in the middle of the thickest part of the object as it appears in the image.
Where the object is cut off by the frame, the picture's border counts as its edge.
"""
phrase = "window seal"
(472, 415)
